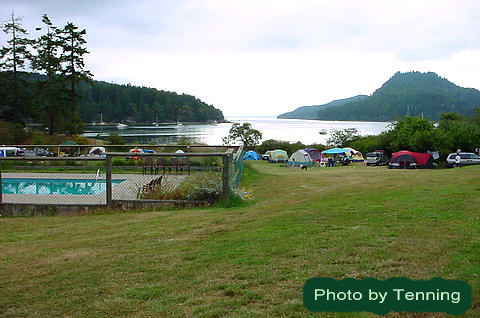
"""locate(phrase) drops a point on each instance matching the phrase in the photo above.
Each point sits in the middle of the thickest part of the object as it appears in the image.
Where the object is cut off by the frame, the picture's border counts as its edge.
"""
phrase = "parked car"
(466, 158)
(377, 158)
(44, 152)
(26, 153)
(266, 155)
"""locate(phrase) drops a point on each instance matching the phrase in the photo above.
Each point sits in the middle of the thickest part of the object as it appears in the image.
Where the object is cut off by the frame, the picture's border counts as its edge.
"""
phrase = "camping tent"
(410, 160)
(278, 155)
(96, 151)
(251, 155)
(335, 151)
(300, 158)
(354, 155)
(315, 154)
(9, 151)
(69, 147)
(148, 151)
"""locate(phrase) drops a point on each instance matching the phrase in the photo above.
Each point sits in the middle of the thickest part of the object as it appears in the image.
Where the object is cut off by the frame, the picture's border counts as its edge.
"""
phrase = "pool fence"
(196, 175)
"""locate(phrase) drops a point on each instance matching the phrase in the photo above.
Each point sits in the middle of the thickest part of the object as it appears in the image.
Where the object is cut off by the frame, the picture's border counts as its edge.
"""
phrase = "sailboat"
(156, 122)
(101, 119)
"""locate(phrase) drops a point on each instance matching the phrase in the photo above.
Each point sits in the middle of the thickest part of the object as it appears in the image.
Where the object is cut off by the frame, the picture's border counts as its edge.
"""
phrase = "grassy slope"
(250, 261)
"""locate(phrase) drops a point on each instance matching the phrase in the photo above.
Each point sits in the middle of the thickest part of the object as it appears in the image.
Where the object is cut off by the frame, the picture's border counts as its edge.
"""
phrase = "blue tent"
(251, 155)
(336, 151)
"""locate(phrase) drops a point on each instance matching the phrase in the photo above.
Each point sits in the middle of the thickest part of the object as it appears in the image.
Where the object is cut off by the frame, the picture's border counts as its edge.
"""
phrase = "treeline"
(122, 103)
(453, 131)
(408, 94)
(311, 112)
(44, 80)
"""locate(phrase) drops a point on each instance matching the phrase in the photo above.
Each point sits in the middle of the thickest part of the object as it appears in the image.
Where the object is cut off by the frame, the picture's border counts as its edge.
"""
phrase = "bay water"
(292, 130)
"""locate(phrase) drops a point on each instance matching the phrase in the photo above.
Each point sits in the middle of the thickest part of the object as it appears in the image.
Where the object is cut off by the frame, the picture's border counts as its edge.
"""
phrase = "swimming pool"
(54, 186)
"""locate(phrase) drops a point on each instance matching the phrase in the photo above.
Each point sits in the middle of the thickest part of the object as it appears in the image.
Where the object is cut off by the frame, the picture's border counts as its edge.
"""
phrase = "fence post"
(1, 186)
(108, 179)
(226, 176)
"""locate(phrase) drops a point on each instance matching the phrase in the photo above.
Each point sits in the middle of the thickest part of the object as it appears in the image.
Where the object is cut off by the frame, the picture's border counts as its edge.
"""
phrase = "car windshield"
(372, 154)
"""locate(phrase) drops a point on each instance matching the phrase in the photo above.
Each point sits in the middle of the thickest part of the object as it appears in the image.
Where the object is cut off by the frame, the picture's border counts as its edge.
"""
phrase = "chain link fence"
(107, 178)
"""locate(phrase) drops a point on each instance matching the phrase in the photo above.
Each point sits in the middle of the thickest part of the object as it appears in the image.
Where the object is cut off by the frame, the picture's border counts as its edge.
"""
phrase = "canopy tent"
(300, 158)
(278, 155)
(251, 155)
(315, 154)
(410, 160)
(354, 155)
(335, 151)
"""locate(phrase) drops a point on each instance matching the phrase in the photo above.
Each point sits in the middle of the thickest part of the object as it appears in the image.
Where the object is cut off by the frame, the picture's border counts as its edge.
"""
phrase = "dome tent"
(278, 155)
(410, 160)
(251, 155)
(315, 154)
(97, 151)
(300, 158)
(354, 155)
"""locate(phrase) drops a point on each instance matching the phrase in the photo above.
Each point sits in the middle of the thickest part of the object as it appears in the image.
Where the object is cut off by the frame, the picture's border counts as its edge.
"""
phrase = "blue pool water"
(54, 186)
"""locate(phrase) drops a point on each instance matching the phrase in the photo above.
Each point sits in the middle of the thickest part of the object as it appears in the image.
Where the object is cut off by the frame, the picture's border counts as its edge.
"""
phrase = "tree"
(341, 138)
(415, 134)
(244, 133)
(48, 61)
(13, 58)
(72, 42)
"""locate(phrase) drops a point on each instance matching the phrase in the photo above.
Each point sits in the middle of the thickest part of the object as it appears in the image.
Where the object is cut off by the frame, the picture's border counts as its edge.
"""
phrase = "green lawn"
(249, 261)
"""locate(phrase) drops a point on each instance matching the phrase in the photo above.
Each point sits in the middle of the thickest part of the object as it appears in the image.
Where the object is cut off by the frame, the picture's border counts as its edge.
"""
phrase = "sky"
(267, 57)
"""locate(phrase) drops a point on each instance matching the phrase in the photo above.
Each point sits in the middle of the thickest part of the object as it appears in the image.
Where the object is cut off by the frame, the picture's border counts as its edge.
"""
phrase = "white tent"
(96, 151)
(300, 158)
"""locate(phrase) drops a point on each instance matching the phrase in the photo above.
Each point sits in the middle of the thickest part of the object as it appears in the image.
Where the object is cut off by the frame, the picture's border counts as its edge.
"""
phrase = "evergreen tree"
(74, 71)
(48, 61)
(12, 59)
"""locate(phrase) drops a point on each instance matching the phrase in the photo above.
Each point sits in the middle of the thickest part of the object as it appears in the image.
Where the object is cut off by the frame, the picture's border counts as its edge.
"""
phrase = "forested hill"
(408, 94)
(311, 112)
(119, 103)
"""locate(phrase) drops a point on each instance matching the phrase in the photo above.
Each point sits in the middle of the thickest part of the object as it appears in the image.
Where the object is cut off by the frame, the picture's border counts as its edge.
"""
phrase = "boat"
(121, 126)
(322, 132)
(179, 124)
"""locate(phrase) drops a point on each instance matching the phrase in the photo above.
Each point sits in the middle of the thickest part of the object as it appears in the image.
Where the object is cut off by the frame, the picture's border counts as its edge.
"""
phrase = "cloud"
(269, 56)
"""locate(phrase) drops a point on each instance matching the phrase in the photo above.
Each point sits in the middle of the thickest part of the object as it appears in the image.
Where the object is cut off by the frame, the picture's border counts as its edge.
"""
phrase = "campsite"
(252, 260)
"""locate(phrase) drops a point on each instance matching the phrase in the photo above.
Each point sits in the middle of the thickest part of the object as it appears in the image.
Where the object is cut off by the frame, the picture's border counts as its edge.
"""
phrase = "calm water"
(292, 130)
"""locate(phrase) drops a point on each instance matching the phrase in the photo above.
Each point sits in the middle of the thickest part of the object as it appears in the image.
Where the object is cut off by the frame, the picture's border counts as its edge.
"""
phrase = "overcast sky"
(266, 57)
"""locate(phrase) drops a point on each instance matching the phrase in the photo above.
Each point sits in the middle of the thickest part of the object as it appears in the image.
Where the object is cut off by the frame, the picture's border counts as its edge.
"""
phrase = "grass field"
(249, 261)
